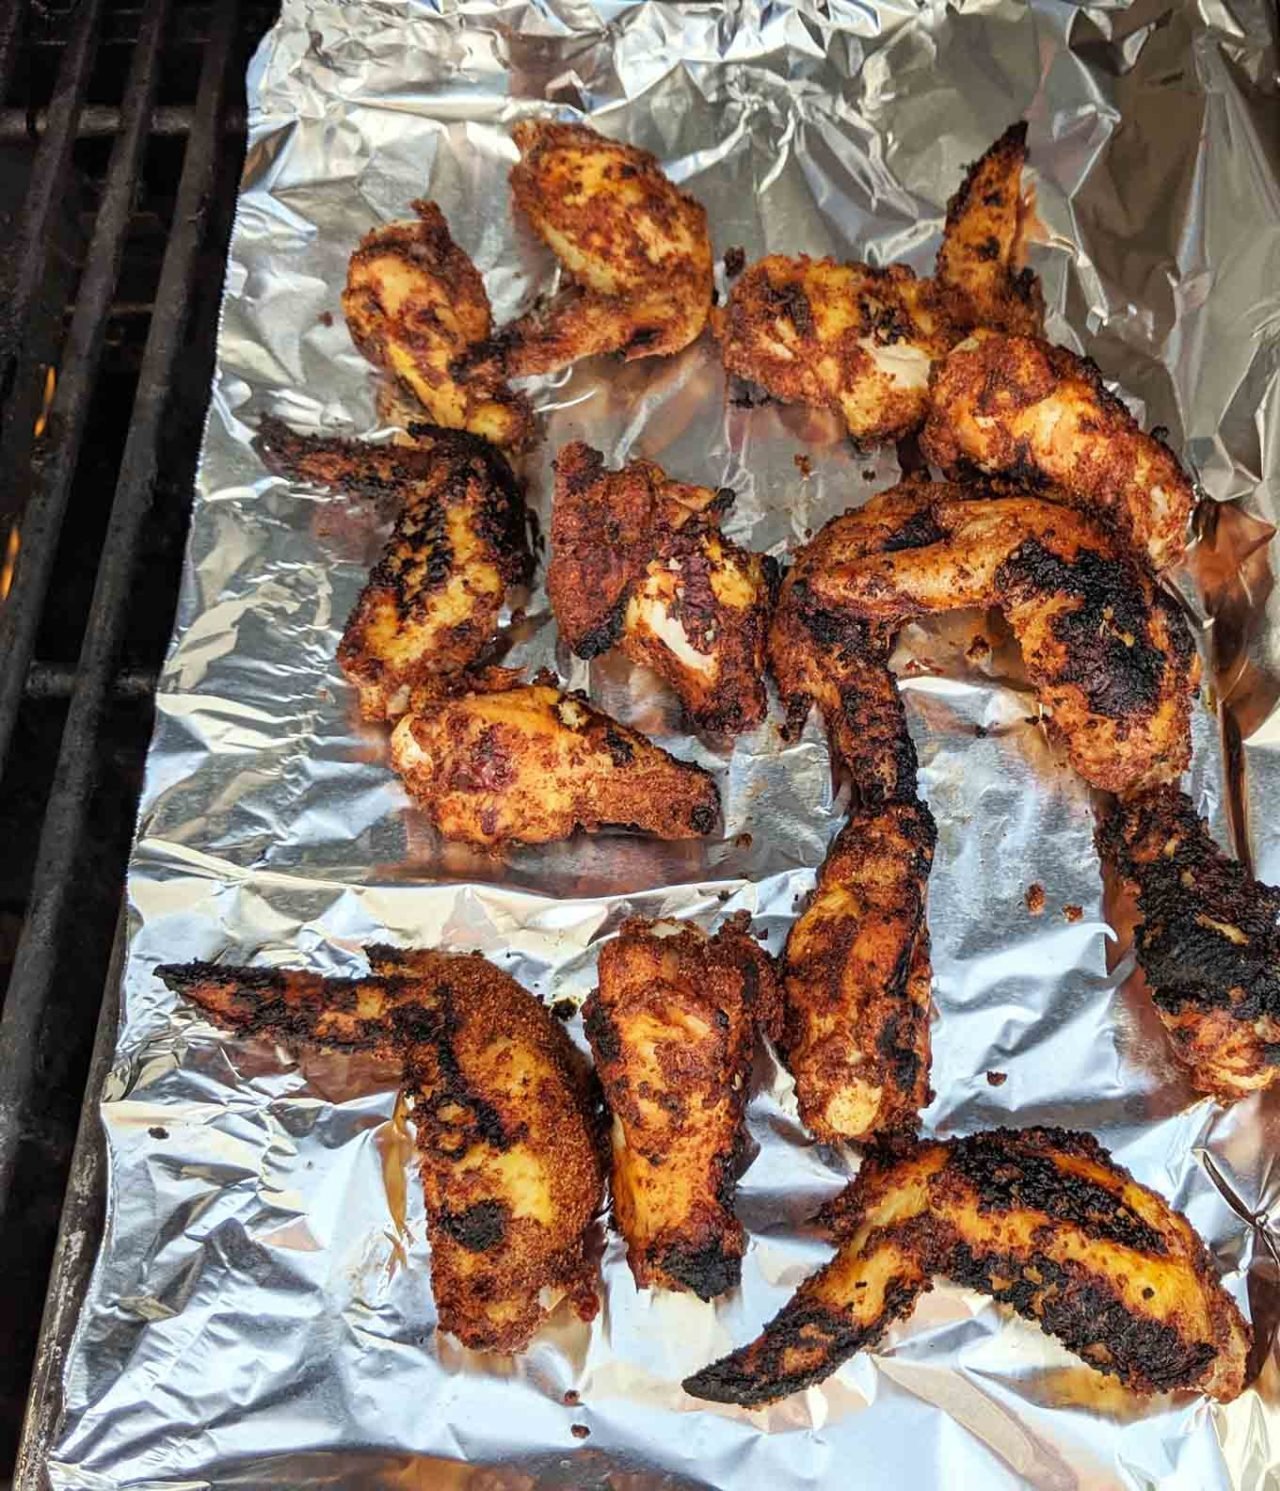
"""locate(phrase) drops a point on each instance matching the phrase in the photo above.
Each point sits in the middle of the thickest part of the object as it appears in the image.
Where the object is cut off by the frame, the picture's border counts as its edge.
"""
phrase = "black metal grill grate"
(121, 141)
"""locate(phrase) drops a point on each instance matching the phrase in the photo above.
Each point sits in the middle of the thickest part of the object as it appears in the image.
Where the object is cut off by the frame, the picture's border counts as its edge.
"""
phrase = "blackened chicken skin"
(856, 981)
(1039, 1219)
(862, 340)
(672, 1027)
(982, 239)
(430, 610)
(635, 249)
(1016, 407)
(638, 562)
(416, 307)
(1208, 941)
(1109, 653)
(505, 1116)
(531, 763)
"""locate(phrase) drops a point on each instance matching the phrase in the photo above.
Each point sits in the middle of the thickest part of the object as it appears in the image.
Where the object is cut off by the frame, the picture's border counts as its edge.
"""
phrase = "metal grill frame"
(44, 470)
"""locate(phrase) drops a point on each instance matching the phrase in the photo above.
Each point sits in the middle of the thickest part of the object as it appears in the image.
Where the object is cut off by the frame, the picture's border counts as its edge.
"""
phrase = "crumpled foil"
(261, 1311)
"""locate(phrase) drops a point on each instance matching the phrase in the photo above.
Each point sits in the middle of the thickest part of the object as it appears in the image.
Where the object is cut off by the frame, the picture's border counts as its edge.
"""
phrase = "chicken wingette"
(1016, 407)
(1039, 1219)
(982, 240)
(416, 307)
(635, 250)
(1110, 655)
(505, 1116)
(856, 981)
(638, 562)
(672, 1027)
(531, 763)
(862, 340)
(1208, 941)
(430, 610)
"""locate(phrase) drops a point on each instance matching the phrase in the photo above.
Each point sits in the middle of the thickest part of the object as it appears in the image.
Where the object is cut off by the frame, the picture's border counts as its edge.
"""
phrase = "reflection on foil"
(261, 1313)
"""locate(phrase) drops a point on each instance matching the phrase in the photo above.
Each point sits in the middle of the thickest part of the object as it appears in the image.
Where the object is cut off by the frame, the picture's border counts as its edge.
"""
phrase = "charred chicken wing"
(1208, 941)
(638, 562)
(982, 239)
(416, 306)
(862, 340)
(531, 763)
(430, 610)
(634, 248)
(1016, 407)
(672, 1027)
(506, 1122)
(1039, 1219)
(1109, 653)
(856, 981)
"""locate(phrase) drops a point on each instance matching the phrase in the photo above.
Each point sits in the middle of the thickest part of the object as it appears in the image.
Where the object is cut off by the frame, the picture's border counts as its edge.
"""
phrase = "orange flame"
(12, 549)
(50, 385)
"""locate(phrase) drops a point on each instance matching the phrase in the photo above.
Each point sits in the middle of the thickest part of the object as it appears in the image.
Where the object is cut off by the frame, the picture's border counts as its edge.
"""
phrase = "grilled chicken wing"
(1208, 941)
(1013, 406)
(635, 249)
(430, 610)
(1040, 1219)
(856, 981)
(1109, 653)
(506, 1122)
(672, 1027)
(532, 763)
(846, 337)
(638, 562)
(862, 340)
(416, 306)
(982, 239)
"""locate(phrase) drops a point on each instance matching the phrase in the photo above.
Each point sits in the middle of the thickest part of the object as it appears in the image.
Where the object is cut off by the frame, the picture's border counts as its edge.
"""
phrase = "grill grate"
(121, 141)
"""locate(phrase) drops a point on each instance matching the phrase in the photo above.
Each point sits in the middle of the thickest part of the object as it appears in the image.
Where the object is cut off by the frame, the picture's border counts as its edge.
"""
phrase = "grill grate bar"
(19, 396)
(10, 34)
(56, 456)
(30, 1006)
(100, 120)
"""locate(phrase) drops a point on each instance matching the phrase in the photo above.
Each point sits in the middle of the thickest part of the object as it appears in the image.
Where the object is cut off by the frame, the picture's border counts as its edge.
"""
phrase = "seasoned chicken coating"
(1109, 653)
(416, 306)
(1039, 1219)
(505, 1117)
(1208, 941)
(532, 763)
(635, 250)
(673, 1027)
(847, 337)
(460, 543)
(638, 562)
(856, 981)
(982, 239)
(862, 340)
(1015, 407)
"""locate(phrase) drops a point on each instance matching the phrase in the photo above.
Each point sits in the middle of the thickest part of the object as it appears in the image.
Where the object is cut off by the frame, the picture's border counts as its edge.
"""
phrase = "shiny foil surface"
(261, 1314)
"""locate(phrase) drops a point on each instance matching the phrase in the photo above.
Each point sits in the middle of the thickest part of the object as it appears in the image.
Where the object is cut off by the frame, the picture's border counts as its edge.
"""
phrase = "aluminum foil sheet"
(261, 1314)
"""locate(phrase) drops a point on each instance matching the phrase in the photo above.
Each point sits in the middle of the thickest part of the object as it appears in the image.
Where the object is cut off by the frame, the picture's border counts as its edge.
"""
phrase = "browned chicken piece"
(638, 562)
(1109, 653)
(847, 337)
(1208, 941)
(635, 250)
(983, 238)
(862, 340)
(1019, 408)
(460, 543)
(1040, 1219)
(856, 981)
(505, 1116)
(416, 306)
(532, 763)
(673, 1027)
